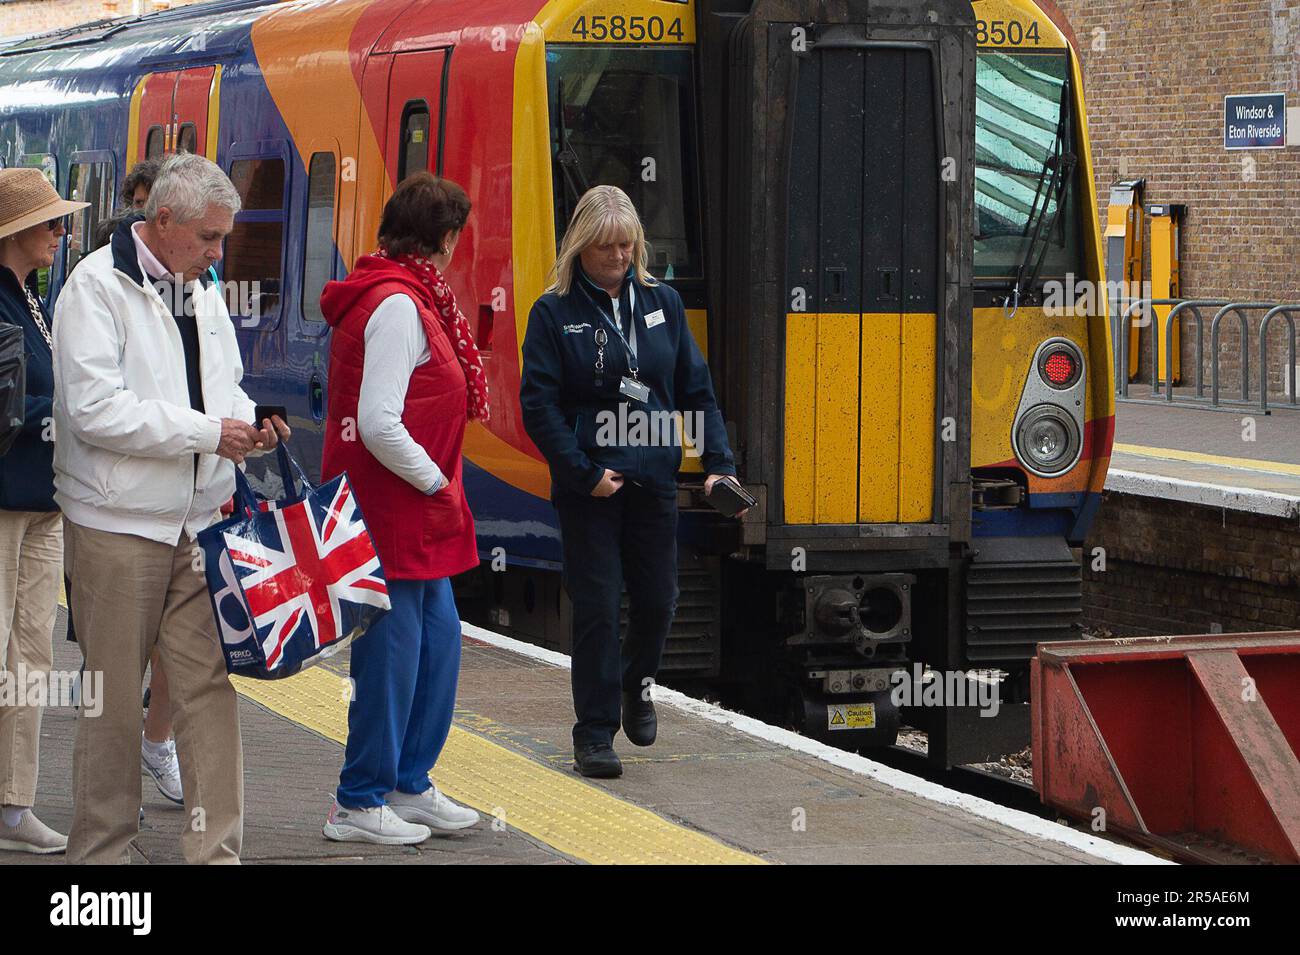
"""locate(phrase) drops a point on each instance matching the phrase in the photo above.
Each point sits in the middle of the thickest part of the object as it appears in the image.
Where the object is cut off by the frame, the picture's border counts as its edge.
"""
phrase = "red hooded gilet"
(419, 536)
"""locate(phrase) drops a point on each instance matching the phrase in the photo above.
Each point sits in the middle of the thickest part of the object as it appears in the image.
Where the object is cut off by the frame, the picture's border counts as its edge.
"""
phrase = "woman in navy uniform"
(607, 358)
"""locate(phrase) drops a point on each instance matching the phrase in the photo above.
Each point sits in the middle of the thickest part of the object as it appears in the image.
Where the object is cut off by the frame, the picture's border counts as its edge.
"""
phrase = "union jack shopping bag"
(292, 581)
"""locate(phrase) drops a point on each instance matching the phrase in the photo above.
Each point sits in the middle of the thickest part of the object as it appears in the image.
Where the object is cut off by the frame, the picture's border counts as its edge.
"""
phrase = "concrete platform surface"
(1239, 460)
(715, 788)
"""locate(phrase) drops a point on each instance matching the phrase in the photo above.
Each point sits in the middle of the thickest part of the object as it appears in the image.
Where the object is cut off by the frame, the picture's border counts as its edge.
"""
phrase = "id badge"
(636, 390)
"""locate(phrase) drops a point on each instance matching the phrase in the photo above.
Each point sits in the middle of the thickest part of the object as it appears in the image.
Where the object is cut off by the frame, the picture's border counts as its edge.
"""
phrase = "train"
(866, 206)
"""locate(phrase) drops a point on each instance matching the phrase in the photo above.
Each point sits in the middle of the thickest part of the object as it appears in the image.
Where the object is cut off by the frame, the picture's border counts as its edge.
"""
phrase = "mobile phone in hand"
(263, 412)
(729, 498)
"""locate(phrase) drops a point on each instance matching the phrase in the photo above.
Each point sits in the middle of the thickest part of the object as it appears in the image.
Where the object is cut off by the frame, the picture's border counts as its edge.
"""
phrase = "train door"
(174, 110)
(195, 93)
(155, 94)
(413, 139)
(863, 222)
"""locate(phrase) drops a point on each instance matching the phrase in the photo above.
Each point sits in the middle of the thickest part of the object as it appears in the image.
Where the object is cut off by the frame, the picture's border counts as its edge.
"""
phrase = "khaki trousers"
(128, 595)
(31, 557)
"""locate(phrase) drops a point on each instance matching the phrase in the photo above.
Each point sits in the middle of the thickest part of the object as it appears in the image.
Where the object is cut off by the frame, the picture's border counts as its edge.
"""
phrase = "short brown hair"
(142, 174)
(420, 214)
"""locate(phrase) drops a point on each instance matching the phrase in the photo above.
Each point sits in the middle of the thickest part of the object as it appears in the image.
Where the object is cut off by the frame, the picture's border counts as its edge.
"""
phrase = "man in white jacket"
(150, 423)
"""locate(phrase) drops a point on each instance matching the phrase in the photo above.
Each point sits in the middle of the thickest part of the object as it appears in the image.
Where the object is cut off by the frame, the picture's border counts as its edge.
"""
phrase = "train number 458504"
(1005, 32)
(621, 28)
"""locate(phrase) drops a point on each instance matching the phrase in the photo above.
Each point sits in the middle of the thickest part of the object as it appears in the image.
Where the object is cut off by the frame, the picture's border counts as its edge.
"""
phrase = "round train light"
(1060, 367)
(1047, 440)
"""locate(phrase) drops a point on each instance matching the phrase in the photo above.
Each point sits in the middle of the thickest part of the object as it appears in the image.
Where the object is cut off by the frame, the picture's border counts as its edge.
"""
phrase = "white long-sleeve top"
(396, 344)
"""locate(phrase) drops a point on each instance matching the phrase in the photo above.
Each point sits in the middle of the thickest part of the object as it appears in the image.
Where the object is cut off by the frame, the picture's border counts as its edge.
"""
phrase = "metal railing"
(1288, 312)
(1163, 389)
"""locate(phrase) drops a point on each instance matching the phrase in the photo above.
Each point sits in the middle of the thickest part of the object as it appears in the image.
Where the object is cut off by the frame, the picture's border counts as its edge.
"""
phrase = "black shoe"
(597, 761)
(639, 721)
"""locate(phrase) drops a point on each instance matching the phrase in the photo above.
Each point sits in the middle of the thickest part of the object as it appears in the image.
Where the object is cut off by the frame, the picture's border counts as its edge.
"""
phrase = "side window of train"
(318, 248)
(153, 144)
(415, 139)
(254, 252)
(89, 180)
(188, 140)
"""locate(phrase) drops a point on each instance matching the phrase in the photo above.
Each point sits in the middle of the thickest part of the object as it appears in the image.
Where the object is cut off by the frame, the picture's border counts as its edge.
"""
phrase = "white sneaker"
(433, 809)
(378, 824)
(31, 835)
(164, 769)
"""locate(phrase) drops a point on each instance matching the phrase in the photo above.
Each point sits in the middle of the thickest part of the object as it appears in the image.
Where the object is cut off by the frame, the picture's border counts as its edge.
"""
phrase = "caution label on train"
(851, 716)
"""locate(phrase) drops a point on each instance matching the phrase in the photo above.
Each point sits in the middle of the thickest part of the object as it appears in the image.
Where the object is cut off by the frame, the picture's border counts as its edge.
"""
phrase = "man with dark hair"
(138, 182)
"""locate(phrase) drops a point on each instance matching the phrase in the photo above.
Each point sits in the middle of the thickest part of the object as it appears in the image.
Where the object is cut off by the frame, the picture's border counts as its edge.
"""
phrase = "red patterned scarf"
(457, 328)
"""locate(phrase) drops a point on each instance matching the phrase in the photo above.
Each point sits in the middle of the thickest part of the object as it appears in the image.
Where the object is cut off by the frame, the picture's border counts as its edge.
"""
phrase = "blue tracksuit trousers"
(404, 673)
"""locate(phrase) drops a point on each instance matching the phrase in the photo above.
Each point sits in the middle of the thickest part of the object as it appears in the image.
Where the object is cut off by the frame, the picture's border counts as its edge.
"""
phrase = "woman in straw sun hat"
(33, 219)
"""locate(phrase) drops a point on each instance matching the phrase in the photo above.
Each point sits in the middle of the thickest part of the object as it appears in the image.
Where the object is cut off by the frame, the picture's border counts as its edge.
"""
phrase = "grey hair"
(187, 184)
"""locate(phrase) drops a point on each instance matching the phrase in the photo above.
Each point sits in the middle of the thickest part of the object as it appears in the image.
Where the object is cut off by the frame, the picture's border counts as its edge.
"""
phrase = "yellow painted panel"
(1162, 281)
(214, 114)
(1016, 24)
(698, 321)
(878, 433)
(800, 412)
(134, 148)
(1001, 354)
(618, 21)
(917, 419)
(835, 488)
(532, 218)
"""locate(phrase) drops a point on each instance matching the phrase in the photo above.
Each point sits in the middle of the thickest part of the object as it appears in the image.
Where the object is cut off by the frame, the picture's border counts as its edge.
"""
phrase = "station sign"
(1257, 121)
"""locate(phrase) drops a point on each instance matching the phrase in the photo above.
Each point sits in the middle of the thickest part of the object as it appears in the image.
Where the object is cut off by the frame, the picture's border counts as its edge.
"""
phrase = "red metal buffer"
(1186, 743)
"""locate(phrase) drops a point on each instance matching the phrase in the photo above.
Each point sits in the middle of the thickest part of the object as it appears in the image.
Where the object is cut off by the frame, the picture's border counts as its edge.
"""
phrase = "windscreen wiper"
(1057, 171)
(570, 165)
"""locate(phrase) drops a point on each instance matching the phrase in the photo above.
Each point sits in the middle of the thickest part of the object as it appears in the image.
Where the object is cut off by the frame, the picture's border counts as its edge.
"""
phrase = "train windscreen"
(1026, 194)
(624, 116)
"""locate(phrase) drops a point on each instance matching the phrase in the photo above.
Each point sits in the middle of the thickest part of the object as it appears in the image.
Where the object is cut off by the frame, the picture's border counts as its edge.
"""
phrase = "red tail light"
(1060, 369)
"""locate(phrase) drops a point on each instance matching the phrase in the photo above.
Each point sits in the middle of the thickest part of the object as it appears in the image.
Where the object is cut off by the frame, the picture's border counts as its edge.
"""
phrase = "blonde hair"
(603, 214)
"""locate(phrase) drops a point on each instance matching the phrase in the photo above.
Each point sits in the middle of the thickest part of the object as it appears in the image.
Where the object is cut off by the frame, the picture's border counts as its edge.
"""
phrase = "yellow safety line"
(571, 816)
(1196, 457)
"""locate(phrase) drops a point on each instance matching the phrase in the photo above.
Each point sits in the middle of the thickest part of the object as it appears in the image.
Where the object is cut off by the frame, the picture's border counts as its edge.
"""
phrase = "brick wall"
(23, 17)
(1155, 73)
(1174, 567)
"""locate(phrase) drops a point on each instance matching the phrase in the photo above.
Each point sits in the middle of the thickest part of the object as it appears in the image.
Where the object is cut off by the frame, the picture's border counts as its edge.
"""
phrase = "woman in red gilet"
(404, 378)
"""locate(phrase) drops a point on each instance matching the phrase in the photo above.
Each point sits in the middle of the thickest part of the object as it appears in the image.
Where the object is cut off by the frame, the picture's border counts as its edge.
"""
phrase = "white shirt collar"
(148, 261)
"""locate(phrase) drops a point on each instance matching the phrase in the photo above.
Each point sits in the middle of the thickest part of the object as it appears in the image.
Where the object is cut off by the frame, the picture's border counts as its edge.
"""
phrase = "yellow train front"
(875, 214)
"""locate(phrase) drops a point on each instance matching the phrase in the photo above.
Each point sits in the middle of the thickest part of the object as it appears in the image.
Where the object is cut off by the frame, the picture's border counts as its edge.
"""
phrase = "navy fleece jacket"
(571, 412)
(27, 471)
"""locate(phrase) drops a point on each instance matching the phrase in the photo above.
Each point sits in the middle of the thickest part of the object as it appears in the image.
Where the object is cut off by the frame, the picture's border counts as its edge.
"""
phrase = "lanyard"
(631, 307)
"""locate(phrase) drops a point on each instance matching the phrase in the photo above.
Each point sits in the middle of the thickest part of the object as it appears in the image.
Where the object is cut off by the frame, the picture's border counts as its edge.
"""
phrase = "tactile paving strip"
(571, 816)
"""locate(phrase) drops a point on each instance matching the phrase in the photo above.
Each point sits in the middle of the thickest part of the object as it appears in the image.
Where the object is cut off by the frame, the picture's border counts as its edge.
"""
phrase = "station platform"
(717, 787)
(1239, 459)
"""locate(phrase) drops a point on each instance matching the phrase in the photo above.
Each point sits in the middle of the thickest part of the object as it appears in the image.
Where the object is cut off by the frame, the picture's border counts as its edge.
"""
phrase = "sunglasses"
(64, 221)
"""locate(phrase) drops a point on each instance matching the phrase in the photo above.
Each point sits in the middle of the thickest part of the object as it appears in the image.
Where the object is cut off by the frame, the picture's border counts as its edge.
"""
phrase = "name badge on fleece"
(654, 318)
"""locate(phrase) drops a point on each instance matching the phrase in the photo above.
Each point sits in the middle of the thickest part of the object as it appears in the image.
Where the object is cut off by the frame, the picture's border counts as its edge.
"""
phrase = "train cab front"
(840, 187)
